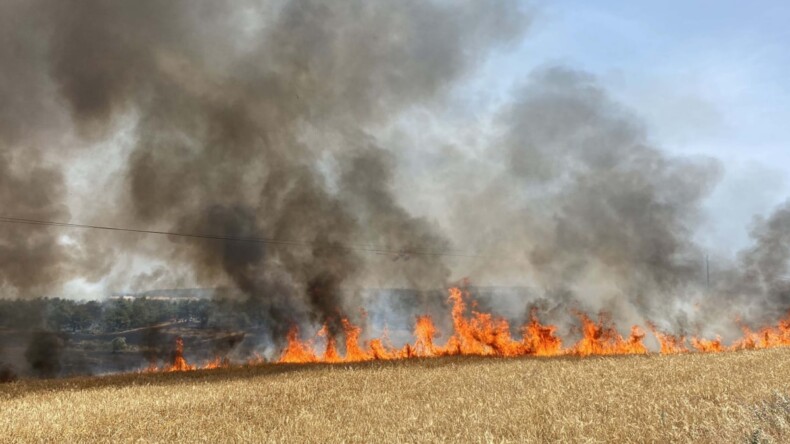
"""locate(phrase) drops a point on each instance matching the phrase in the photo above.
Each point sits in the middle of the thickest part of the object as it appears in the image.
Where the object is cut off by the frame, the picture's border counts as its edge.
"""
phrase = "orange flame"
(707, 345)
(602, 338)
(483, 334)
(179, 364)
(297, 351)
(540, 340)
(670, 344)
(425, 332)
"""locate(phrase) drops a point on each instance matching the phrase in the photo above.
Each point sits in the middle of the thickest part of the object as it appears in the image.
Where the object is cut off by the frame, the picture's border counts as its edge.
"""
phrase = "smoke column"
(269, 120)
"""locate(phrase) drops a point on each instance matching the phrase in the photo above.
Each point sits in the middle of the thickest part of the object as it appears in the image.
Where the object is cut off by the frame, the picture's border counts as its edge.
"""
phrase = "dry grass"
(731, 397)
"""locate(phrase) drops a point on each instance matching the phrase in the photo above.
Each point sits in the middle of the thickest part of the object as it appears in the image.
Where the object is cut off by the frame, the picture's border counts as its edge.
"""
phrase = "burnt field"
(466, 329)
(50, 354)
(726, 397)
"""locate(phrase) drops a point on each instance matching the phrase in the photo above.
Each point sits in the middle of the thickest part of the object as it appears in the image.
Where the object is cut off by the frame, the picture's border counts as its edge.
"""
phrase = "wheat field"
(728, 397)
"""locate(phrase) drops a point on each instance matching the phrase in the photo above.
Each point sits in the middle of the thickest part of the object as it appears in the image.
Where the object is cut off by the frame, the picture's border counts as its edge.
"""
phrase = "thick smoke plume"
(603, 218)
(249, 119)
(265, 120)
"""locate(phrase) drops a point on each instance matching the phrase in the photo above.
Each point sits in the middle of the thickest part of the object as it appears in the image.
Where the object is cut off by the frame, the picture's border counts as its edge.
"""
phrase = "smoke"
(265, 120)
(30, 261)
(616, 215)
(766, 263)
(571, 198)
(44, 353)
(251, 119)
(758, 282)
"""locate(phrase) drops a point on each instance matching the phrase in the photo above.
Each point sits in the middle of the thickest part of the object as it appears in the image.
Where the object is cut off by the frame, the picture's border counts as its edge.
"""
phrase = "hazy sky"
(706, 77)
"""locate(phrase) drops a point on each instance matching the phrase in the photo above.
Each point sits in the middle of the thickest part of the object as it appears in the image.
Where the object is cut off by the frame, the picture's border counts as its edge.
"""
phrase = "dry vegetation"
(729, 397)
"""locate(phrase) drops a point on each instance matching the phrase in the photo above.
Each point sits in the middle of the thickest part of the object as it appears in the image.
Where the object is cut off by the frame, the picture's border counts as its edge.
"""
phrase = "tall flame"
(483, 334)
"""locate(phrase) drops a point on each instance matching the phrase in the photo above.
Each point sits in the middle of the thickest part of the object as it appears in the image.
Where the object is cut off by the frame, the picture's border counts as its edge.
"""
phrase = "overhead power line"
(259, 240)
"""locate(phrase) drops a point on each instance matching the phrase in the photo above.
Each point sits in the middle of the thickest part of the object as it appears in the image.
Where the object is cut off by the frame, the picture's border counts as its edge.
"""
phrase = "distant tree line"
(115, 315)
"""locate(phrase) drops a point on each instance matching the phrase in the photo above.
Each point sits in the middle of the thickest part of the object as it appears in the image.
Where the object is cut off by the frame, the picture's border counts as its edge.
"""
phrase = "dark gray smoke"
(44, 352)
(248, 119)
(766, 264)
(594, 215)
(30, 262)
(251, 119)
(758, 284)
(621, 213)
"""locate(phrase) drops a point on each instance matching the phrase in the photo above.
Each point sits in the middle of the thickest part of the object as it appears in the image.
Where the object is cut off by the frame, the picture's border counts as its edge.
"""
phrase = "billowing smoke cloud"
(251, 119)
(759, 284)
(262, 120)
(577, 202)
(28, 261)
(616, 215)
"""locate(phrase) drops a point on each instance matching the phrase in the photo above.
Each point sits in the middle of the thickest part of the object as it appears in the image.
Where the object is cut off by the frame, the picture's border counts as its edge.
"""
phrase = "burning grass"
(477, 333)
(728, 397)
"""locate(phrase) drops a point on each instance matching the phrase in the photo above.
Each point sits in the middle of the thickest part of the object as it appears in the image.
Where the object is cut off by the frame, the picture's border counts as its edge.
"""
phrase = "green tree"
(81, 318)
(141, 313)
(117, 316)
(59, 313)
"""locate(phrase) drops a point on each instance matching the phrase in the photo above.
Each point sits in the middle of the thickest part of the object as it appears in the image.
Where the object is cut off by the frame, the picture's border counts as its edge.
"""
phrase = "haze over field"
(357, 125)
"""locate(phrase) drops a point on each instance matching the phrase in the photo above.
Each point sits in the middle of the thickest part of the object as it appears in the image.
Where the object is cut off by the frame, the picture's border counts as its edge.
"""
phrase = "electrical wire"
(261, 240)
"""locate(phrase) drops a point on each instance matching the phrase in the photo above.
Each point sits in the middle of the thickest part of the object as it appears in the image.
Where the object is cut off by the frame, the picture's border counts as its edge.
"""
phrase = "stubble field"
(727, 397)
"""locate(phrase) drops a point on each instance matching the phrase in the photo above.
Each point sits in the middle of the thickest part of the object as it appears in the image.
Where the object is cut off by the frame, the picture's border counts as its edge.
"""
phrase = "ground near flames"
(737, 396)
